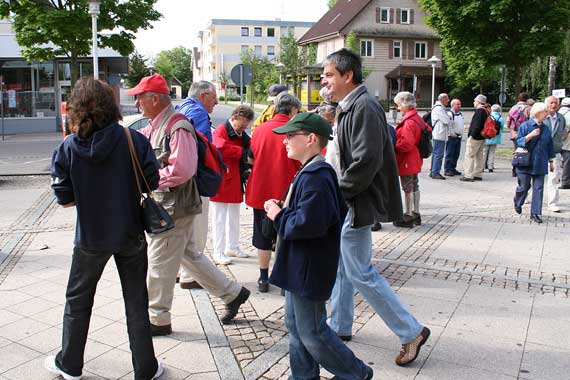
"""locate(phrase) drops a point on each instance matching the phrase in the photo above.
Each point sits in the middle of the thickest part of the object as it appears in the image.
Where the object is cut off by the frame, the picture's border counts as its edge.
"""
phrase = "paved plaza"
(491, 286)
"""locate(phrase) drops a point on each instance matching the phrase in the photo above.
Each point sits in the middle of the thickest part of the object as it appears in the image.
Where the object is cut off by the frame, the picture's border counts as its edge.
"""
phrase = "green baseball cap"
(307, 121)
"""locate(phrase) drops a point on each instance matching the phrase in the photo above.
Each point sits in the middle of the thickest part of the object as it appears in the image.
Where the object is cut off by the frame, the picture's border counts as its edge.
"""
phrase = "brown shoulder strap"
(136, 164)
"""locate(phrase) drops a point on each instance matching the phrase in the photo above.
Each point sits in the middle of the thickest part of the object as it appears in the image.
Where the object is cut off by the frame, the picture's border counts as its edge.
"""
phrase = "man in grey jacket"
(565, 111)
(556, 123)
(441, 123)
(369, 183)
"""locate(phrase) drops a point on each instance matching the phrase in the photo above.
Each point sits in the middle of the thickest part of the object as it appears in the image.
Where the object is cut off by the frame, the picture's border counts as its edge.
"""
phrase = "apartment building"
(222, 42)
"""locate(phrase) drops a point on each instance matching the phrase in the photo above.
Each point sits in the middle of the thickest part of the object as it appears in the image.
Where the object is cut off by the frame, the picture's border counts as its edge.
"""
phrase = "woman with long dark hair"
(91, 170)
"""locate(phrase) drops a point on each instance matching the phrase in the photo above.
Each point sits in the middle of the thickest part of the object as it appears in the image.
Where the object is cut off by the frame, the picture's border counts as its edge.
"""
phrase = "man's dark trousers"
(452, 150)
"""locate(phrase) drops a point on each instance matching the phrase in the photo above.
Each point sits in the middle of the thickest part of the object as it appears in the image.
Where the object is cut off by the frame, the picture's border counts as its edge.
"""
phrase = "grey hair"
(346, 60)
(441, 96)
(198, 88)
(537, 107)
(552, 97)
(285, 102)
(496, 108)
(406, 99)
(326, 110)
(164, 98)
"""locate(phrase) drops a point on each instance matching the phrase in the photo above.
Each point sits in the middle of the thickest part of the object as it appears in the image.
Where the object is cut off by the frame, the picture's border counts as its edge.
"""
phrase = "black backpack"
(425, 146)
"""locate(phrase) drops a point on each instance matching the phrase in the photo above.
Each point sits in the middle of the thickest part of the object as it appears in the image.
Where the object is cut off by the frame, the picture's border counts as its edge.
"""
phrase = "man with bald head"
(555, 121)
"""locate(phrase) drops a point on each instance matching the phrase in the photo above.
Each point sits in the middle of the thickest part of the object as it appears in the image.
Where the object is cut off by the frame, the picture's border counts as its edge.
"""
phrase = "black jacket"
(369, 180)
(97, 175)
(477, 124)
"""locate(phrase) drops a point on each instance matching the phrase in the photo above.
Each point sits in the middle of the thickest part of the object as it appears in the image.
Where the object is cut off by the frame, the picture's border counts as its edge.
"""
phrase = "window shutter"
(404, 50)
(411, 50)
(411, 16)
(378, 15)
(430, 49)
(391, 49)
(391, 15)
(398, 14)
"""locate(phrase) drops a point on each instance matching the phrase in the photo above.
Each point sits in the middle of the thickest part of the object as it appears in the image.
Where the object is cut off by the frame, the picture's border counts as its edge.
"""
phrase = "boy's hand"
(272, 208)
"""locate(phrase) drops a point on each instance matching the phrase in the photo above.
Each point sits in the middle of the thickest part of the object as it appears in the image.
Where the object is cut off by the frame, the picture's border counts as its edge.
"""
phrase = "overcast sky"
(183, 19)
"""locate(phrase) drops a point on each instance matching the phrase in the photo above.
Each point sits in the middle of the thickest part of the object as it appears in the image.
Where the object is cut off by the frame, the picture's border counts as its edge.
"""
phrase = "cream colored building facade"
(223, 41)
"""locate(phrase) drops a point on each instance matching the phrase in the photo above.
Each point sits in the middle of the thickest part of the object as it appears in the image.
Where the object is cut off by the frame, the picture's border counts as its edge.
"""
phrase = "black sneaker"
(466, 179)
(157, 330)
(233, 307)
(477, 178)
(262, 286)
(376, 226)
(437, 176)
(456, 172)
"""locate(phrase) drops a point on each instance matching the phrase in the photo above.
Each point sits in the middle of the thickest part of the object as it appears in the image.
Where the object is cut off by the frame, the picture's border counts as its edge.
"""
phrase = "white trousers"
(225, 227)
(199, 238)
(553, 181)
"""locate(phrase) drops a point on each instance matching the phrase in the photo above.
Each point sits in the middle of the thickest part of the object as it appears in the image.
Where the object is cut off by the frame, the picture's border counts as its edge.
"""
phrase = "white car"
(135, 122)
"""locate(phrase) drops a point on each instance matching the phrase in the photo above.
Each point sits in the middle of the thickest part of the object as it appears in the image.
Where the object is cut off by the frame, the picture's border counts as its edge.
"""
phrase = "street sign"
(502, 98)
(247, 74)
(559, 93)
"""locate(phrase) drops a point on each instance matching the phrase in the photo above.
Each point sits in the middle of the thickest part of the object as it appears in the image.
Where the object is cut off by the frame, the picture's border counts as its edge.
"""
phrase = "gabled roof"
(335, 20)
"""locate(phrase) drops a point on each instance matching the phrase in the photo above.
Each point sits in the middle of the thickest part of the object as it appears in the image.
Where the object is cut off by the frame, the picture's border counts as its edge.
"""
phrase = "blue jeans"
(312, 342)
(537, 191)
(452, 149)
(437, 156)
(356, 271)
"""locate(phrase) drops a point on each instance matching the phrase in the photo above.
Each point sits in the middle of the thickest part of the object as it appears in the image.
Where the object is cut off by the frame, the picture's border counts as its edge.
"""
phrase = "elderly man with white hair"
(441, 122)
(565, 111)
(535, 136)
(474, 159)
(556, 122)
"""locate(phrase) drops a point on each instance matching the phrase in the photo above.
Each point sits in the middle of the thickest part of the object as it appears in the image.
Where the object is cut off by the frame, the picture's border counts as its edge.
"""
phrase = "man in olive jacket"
(370, 185)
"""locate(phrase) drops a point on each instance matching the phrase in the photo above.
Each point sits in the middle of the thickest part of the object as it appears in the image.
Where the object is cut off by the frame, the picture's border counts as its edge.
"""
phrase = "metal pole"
(2, 103)
(241, 84)
(432, 83)
(95, 57)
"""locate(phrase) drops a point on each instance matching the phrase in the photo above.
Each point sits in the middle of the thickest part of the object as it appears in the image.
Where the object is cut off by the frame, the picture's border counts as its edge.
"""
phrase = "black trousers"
(86, 269)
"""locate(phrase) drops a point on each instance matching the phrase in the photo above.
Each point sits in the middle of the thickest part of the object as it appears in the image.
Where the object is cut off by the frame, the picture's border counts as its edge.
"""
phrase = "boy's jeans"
(356, 271)
(312, 342)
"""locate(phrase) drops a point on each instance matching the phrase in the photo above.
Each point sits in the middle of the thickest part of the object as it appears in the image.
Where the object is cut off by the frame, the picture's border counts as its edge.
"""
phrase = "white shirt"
(458, 124)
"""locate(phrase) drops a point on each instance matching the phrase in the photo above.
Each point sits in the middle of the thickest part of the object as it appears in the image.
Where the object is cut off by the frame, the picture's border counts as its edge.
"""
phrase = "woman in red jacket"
(232, 141)
(408, 134)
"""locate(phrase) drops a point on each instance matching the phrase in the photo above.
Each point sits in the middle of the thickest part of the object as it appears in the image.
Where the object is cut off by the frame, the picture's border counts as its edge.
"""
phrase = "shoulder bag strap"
(136, 164)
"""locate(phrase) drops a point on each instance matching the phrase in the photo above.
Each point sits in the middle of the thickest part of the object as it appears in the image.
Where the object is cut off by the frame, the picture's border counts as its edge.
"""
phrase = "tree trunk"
(517, 79)
(551, 74)
(74, 65)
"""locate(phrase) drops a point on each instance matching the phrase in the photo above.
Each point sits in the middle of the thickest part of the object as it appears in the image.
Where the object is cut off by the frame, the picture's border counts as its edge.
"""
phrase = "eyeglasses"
(289, 136)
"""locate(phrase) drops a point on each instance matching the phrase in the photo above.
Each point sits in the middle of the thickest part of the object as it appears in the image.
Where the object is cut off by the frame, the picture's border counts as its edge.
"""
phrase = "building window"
(397, 49)
(245, 32)
(257, 32)
(244, 48)
(271, 51)
(384, 15)
(366, 48)
(257, 50)
(404, 16)
(270, 32)
(421, 50)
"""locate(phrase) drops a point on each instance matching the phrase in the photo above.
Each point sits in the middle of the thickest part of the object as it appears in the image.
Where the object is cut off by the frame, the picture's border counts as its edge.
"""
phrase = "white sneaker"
(49, 364)
(237, 253)
(554, 208)
(221, 259)
(159, 371)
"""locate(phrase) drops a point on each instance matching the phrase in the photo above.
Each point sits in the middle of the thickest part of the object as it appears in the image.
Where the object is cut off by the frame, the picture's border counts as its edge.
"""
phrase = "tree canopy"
(137, 69)
(295, 58)
(264, 74)
(175, 64)
(478, 35)
(46, 29)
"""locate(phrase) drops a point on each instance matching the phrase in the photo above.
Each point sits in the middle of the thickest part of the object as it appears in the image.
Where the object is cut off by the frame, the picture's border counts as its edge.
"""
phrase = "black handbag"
(155, 219)
(521, 158)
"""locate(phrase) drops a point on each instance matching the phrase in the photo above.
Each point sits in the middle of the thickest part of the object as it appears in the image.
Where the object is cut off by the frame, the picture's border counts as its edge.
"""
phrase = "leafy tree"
(175, 64)
(295, 58)
(137, 69)
(351, 41)
(331, 3)
(264, 75)
(481, 34)
(49, 28)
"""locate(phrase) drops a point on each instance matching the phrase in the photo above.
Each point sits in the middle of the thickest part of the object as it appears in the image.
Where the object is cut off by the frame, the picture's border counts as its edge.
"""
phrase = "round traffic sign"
(242, 71)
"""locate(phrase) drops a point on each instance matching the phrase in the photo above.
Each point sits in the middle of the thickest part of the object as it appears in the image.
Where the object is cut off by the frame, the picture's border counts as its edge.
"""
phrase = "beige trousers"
(474, 158)
(199, 238)
(165, 253)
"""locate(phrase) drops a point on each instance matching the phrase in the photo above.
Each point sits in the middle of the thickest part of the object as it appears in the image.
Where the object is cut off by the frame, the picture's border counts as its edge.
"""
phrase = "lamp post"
(94, 11)
(433, 61)
(280, 67)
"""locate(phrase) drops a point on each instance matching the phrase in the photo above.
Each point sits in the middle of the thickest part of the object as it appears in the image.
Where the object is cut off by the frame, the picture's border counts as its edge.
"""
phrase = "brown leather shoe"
(410, 351)
(190, 285)
(160, 330)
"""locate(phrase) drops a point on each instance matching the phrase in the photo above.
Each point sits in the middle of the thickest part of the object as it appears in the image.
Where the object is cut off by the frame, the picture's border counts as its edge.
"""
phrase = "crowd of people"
(319, 183)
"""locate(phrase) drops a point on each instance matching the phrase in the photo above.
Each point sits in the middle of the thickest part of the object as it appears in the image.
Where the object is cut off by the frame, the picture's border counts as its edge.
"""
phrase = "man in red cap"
(177, 192)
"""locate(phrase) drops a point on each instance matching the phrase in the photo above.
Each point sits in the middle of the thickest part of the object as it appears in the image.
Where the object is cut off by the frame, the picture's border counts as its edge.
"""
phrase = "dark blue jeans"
(452, 149)
(86, 269)
(313, 342)
(437, 156)
(537, 191)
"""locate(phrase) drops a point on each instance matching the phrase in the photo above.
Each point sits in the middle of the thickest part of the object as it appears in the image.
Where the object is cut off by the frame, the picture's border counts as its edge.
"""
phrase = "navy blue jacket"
(309, 231)
(97, 175)
(540, 148)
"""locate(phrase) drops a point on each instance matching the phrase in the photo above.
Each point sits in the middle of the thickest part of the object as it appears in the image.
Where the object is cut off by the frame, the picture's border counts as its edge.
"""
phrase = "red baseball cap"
(154, 83)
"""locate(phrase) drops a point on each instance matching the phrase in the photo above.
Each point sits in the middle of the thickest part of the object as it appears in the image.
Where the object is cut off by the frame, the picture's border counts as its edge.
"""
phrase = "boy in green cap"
(308, 226)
